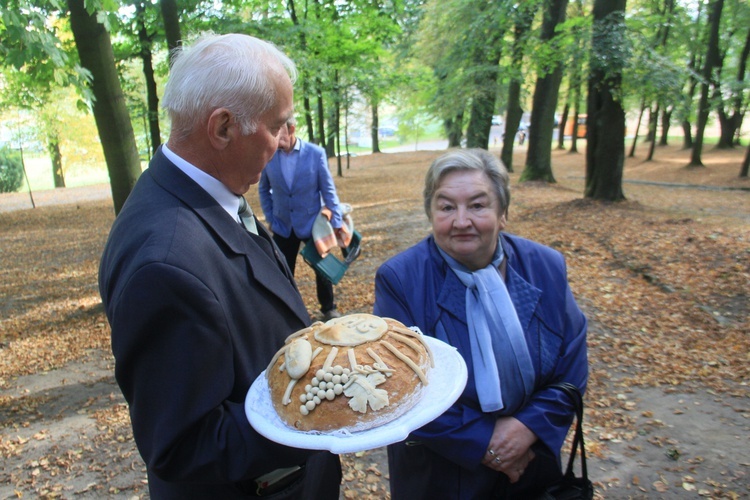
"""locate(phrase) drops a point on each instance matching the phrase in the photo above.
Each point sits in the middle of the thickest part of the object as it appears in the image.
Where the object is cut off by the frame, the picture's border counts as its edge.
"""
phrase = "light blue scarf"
(503, 371)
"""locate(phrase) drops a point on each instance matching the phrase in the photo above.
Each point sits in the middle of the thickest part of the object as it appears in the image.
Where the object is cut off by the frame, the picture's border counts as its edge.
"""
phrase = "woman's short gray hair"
(224, 71)
(468, 159)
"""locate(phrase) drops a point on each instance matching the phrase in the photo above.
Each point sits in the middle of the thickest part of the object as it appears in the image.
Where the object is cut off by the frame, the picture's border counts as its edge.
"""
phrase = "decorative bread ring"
(351, 373)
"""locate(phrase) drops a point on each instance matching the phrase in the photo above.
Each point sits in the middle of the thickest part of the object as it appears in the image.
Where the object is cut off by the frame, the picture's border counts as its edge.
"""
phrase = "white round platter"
(447, 380)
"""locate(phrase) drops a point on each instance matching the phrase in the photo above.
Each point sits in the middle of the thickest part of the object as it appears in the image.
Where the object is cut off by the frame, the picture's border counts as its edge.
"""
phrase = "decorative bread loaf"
(351, 373)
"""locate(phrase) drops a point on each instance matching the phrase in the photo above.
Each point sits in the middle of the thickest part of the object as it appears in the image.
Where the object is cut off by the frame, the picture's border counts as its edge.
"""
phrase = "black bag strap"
(574, 394)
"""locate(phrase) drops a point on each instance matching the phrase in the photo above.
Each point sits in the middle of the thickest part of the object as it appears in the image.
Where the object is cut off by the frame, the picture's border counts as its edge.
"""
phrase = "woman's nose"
(462, 219)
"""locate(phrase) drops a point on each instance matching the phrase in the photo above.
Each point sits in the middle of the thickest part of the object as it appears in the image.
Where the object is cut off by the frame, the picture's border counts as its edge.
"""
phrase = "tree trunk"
(576, 107)
(152, 97)
(480, 118)
(739, 97)
(687, 135)
(561, 127)
(512, 119)
(745, 164)
(347, 104)
(53, 147)
(666, 118)
(514, 111)
(652, 132)
(637, 128)
(577, 80)
(605, 147)
(692, 81)
(171, 18)
(340, 171)
(731, 123)
(306, 105)
(336, 142)
(110, 112)
(321, 114)
(727, 127)
(454, 130)
(574, 131)
(307, 108)
(651, 129)
(374, 127)
(539, 157)
(332, 131)
(667, 16)
(346, 129)
(711, 62)
(483, 102)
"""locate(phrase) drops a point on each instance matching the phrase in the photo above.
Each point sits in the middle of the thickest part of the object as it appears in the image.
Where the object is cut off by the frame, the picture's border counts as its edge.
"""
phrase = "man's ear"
(221, 128)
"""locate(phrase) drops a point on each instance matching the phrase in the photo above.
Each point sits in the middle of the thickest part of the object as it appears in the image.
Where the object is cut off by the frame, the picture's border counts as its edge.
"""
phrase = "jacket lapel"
(524, 295)
(300, 166)
(264, 267)
(452, 297)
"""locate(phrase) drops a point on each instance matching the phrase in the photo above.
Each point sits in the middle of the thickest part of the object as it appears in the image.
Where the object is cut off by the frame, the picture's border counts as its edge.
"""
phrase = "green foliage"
(461, 41)
(423, 56)
(11, 171)
(612, 48)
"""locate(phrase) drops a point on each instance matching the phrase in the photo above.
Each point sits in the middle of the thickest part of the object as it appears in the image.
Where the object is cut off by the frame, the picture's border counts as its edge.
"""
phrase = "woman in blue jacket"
(505, 304)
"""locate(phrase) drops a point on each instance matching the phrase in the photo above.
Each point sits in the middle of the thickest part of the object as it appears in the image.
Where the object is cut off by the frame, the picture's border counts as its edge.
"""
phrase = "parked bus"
(581, 127)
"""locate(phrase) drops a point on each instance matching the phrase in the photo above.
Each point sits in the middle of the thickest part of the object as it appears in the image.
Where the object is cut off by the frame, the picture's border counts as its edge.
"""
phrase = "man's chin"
(252, 182)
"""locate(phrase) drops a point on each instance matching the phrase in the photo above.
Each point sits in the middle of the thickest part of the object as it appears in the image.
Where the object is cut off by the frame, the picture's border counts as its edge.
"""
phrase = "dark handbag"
(571, 487)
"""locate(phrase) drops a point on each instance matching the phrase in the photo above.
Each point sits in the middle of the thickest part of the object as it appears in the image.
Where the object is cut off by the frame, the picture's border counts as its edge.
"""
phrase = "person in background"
(293, 188)
(198, 298)
(505, 304)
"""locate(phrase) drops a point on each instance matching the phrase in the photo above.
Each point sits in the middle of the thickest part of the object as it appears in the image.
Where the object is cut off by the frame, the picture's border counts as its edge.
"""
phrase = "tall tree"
(662, 103)
(37, 65)
(637, 129)
(464, 63)
(171, 19)
(485, 56)
(580, 48)
(656, 73)
(110, 112)
(605, 146)
(449, 98)
(695, 44)
(523, 17)
(731, 112)
(711, 62)
(145, 42)
(539, 157)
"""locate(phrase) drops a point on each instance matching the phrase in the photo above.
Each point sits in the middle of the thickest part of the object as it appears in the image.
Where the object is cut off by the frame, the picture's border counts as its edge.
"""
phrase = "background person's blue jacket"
(418, 288)
(296, 208)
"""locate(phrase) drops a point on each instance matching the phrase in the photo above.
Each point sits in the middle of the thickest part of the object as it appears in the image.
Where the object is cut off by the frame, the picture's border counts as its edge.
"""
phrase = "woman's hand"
(509, 450)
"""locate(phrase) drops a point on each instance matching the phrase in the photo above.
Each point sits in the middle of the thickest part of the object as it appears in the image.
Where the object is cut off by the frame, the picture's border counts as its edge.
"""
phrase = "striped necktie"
(246, 216)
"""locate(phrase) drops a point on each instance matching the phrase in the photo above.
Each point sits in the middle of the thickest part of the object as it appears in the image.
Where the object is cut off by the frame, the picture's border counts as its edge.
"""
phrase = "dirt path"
(689, 443)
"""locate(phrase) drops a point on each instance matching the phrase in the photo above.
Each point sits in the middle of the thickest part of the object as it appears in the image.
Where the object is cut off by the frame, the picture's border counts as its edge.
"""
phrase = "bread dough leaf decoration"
(363, 391)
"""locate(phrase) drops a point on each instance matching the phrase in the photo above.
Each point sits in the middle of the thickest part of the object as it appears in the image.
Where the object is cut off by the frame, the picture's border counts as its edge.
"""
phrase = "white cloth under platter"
(447, 380)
